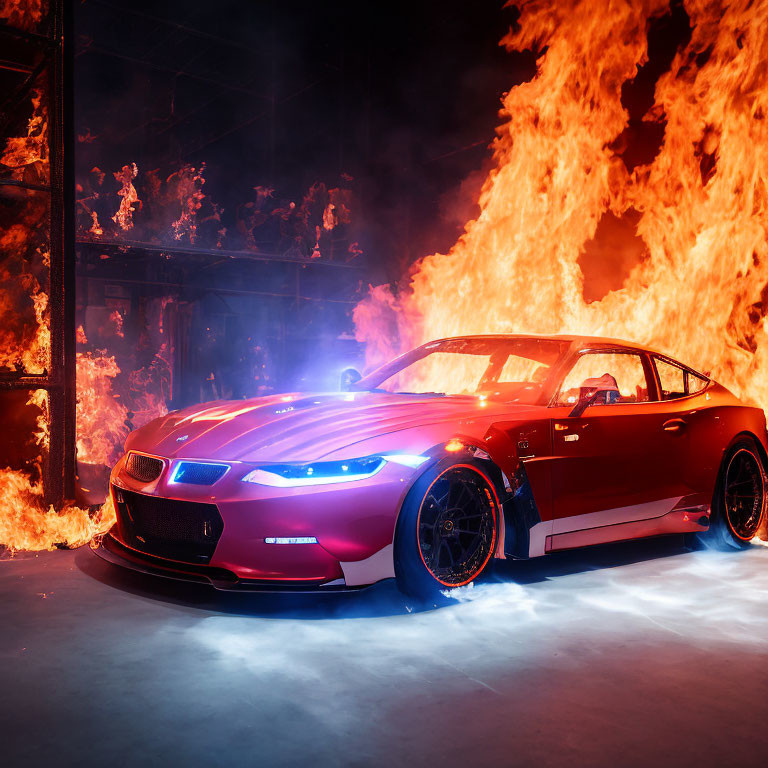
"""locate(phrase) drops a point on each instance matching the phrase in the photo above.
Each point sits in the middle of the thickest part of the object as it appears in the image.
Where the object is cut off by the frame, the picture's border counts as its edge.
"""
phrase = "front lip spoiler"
(112, 551)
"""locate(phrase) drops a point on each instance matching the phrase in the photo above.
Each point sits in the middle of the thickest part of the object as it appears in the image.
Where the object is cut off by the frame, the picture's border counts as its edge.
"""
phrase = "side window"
(620, 376)
(672, 379)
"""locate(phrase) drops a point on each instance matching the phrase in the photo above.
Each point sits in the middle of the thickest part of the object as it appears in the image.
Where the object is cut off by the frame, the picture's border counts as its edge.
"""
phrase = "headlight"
(327, 472)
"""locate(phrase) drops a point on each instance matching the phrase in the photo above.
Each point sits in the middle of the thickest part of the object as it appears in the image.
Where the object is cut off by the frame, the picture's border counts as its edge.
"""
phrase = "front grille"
(178, 530)
(198, 473)
(143, 468)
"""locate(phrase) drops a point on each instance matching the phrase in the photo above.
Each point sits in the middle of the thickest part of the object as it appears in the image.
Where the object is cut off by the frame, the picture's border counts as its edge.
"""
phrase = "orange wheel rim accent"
(494, 505)
(728, 510)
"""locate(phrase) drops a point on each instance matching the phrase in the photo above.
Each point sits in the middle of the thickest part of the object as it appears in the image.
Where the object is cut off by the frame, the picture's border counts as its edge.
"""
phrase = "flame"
(190, 195)
(23, 14)
(124, 215)
(23, 152)
(101, 417)
(39, 399)
(329, 217)
(26, 523)
(29, 351)
(701, 204)
(95, 226)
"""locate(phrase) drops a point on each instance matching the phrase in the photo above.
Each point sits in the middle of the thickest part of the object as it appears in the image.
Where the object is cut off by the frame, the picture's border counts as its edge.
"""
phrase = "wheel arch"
(472, 449)
(747, 433)
(761, 448)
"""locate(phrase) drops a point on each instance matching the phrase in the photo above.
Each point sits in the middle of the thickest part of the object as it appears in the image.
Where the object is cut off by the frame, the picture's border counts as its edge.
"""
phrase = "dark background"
(395, 103)
(402, 97)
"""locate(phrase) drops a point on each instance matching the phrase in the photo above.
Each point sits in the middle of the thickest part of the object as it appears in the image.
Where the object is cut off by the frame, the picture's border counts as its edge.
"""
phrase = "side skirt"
(678, 520)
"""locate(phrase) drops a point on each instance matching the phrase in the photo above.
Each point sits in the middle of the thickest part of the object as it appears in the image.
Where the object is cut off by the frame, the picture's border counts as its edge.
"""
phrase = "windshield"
(509, 369)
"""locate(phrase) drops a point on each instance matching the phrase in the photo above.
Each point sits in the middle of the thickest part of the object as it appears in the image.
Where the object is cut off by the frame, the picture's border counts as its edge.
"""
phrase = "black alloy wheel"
(743, 494)
(447, 530)
(457, 526)
(738, 505)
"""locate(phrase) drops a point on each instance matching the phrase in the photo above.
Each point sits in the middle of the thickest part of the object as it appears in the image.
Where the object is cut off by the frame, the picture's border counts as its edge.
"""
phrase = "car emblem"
(182, 438)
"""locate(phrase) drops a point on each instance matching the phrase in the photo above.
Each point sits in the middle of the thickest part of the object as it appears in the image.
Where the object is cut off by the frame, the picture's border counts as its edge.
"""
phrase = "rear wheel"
(738, 508)
(446, 533)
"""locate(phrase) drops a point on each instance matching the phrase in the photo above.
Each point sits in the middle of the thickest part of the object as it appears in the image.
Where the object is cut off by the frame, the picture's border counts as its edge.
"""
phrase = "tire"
(738, 506)
(447, 530)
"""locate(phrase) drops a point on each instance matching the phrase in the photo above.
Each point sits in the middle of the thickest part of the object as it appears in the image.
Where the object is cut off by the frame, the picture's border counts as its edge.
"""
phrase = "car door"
(607, 466)
(689, 425)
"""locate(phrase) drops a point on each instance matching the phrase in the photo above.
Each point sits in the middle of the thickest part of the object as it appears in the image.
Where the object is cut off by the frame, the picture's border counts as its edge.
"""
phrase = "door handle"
(674, 425)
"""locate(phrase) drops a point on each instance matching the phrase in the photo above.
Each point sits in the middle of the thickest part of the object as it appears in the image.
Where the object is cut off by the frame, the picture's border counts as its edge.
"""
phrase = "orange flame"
(26, 521)
(23, 14)
(699, 292)
(124, 215)
(101, 417)
(27, 524)
(22, 152)
(31, 352)
(190, 195)
(95, 226)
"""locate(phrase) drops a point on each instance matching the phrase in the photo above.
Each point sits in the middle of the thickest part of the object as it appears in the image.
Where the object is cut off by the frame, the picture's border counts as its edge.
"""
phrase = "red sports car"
(463, 450)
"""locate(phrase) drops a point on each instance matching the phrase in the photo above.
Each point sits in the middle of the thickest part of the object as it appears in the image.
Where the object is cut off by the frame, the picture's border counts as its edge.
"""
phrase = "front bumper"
(353, 524)
(112, 551)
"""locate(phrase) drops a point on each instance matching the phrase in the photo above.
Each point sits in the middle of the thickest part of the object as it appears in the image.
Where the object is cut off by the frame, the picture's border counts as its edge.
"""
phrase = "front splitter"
(112, 551)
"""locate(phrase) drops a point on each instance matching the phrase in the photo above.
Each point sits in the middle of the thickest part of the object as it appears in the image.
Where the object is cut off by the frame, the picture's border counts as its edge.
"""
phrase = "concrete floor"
(640, 654)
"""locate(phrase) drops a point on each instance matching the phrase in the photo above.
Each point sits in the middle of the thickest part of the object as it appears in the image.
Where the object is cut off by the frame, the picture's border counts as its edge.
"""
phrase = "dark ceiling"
(402, 97)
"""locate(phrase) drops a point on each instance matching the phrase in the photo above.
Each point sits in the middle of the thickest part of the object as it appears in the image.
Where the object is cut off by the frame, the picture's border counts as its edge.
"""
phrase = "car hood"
(309, 427)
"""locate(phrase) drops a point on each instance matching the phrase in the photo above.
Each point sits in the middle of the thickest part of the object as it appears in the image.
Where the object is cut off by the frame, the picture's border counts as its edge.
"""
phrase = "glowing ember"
(699, 291)
(124, 215)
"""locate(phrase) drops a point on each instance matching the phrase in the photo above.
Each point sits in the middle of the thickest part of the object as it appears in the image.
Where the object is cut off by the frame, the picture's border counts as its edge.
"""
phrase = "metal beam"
(191, 250)
(203, 289)
(170, 70)
(24, 185)
(60, 483)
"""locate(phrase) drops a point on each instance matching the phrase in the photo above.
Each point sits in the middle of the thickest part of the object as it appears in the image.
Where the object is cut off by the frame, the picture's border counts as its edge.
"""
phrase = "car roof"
(574, 339)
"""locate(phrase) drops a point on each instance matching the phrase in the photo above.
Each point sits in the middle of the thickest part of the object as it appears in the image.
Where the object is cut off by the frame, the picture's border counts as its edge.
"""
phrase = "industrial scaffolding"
(49, 49)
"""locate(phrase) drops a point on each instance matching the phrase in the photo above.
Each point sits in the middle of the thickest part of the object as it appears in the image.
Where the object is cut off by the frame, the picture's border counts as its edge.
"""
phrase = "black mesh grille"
(144, 468)
(198, 473)
(179, 530)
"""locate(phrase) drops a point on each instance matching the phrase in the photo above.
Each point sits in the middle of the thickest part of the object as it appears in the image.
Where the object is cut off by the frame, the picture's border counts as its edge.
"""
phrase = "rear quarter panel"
(714, 418)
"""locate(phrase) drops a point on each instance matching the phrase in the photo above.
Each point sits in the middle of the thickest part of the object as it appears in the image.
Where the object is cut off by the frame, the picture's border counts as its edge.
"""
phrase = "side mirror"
(349, 377)
(587, 396)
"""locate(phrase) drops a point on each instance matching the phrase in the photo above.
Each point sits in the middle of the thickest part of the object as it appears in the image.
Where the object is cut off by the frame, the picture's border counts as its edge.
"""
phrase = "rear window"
(676, 381)
(694, 383)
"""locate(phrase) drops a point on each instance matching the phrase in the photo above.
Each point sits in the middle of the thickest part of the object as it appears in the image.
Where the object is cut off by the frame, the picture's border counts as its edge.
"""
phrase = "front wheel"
(738, 507)
(446, 533)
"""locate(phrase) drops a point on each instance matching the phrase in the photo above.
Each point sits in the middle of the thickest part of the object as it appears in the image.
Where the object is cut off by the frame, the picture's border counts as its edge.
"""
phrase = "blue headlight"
(326, 472)
(317, 473)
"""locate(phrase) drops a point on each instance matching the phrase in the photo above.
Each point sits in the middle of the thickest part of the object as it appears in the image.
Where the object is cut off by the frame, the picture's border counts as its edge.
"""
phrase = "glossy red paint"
(616, 471)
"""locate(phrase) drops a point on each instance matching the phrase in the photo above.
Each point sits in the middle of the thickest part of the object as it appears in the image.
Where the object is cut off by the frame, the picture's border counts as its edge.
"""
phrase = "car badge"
(182, 438)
